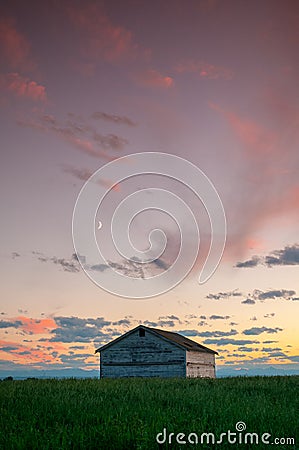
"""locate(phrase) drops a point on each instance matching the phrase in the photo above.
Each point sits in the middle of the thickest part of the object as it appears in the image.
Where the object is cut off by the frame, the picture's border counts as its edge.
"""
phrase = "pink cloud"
(14, 46)
(85, 174)
(102, 39)
(268, 182)
(81, 136)
(205, 70)
(257, 140)
(23, 87)
(153, 78)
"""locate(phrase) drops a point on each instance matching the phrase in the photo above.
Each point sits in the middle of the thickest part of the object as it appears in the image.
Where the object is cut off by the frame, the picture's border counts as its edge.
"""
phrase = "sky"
(85, 83)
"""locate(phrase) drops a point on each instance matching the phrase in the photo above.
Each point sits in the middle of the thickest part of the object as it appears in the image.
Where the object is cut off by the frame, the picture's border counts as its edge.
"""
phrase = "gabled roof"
(175, 338)
(188, 344)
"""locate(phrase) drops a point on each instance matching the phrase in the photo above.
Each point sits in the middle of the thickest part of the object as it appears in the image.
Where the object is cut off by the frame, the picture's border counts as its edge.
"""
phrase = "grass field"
(128, 413)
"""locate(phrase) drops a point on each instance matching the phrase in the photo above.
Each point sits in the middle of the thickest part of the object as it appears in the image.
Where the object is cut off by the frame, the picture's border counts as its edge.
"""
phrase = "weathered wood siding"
(200, 364)
(148, 356)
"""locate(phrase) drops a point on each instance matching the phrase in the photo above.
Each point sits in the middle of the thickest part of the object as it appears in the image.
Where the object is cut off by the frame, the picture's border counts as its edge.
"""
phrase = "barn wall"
(147, 356)
(200, 364)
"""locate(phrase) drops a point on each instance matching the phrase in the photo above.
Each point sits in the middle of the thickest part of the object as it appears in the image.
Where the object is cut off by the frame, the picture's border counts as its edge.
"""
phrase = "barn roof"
(175, 338)
(188, 344)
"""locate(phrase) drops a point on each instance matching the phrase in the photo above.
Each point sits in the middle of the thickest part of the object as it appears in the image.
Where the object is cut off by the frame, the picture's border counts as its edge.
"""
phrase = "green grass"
(128, 413)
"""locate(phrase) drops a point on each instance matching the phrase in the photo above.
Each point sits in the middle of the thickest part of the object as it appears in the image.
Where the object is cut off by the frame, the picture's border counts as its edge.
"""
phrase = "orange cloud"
(154, 79)
(36, 326)
(14, 47)
(21, 354)
(24, 87)
(205, 70)
(13, 344)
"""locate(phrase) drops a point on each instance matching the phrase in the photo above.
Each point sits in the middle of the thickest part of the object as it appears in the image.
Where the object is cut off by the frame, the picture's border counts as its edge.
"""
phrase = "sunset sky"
(214, 82)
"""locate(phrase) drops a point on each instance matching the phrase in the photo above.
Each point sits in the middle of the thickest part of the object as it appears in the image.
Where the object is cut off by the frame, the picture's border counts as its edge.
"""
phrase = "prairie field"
(127, 414)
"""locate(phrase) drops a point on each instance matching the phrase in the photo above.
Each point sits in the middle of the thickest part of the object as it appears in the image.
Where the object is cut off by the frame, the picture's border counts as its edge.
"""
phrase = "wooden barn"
(149, 352)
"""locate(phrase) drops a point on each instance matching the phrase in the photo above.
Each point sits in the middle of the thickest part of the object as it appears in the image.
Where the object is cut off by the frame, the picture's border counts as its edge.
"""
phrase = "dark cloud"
(122, 322)
(256, 295)
(99, 267)
(161, 264)
(85, 174)
(8, 348)
(269, 349)
(68, 265)
(130, 268)
(79, 258)
(171, 317)
(248, 349)
(224, 341)
(109, 141)
(160, 323)
(248, 301)
(224, 295)
(76, 329)
(75, 360)
(188, 333)
(272, 294)
(288, 256)
(216, 317)
(259, 330)
(253, 262)
(217, 333)
(261, 359)
(81, 174)
(10, 324)
(279, 355)
(119, 120)
(78, 134)
(78, 321)
(134, 268)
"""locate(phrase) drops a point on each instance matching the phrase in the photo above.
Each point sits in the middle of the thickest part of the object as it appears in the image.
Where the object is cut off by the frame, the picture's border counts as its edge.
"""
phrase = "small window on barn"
(141, 332)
